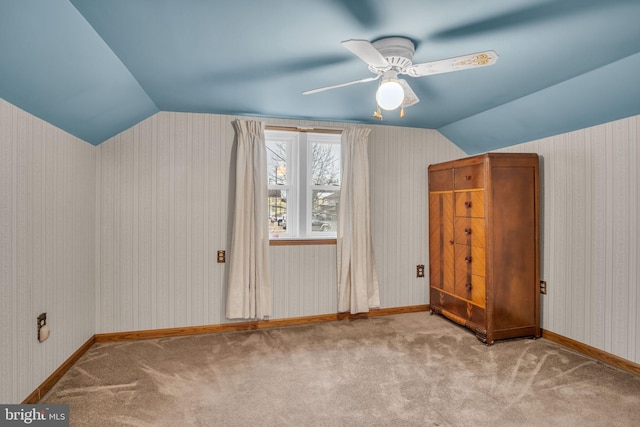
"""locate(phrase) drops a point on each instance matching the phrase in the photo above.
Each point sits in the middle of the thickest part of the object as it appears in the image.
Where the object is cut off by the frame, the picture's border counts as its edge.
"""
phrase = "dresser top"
(522, 159)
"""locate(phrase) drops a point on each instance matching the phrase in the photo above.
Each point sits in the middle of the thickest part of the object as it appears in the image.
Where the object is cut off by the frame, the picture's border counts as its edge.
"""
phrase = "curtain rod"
(303, 129)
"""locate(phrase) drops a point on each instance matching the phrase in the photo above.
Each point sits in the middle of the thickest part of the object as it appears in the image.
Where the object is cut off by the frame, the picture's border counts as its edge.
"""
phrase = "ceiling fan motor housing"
(398, 51)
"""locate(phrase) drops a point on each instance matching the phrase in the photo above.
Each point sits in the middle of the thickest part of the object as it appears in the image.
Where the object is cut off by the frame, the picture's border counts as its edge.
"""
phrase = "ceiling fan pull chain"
(377, 114)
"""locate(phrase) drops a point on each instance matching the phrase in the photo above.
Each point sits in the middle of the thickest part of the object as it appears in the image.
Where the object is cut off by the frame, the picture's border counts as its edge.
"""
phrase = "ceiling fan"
(391, 56)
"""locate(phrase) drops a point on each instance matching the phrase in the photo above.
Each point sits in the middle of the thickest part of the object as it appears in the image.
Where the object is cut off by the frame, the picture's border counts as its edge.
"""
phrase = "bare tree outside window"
(325, 164)
(325, 183)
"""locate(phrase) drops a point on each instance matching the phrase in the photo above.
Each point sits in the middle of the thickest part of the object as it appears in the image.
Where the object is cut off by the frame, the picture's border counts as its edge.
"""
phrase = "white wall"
(47, 241)
(591, 234)
(164, 211)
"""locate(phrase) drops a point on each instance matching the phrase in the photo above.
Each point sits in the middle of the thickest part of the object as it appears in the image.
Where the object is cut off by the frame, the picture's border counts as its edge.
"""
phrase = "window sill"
(298, 242)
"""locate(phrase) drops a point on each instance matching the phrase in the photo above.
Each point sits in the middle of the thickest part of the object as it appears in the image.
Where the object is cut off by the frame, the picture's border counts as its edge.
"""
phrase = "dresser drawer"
(471, 287)
(469, 177)
(469, 231)
(441, 180)
(469, 204)
(470, 259)
(458, 309)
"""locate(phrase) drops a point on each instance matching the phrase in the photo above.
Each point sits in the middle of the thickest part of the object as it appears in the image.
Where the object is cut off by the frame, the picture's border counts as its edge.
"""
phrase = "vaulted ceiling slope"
(97, 67)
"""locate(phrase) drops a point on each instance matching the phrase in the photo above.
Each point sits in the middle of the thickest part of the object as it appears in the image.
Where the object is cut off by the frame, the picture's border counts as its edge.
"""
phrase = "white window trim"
(299, 178)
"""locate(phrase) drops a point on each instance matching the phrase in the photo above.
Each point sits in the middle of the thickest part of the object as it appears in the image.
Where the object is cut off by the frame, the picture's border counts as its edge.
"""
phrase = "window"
(303, 171)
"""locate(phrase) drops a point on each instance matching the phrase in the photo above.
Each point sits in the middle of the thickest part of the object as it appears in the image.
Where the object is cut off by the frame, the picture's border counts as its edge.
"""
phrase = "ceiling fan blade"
(364, 50)
(364, 12)
(535, 14)
(410, 98)
(473, 60)
(320, 89)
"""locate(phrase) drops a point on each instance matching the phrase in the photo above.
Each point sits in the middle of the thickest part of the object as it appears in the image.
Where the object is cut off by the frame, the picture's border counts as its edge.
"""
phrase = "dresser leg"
(483, 339)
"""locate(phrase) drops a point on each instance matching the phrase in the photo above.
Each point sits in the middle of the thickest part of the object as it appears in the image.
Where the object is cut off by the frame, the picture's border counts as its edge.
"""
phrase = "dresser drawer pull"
(468, 286)
(451, 242)
(467, 177)
(467, 205)
(467, 259)
(467, 231)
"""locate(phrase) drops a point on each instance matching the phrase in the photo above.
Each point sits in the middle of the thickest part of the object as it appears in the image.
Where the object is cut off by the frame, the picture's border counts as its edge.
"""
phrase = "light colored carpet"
(401, 370)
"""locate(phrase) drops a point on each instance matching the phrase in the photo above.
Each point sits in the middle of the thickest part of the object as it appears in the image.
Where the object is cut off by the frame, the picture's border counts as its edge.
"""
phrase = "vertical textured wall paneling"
(126, 216)
(624, 280)
(597, 284)
(23, 239)
(590, 242)
(194, 266)
(142, 226)
(104, 288)
(634, 250)
(8, 283)
(162, 231)
(97, 248)
(162, 201)
(303, 280)
(48, 232)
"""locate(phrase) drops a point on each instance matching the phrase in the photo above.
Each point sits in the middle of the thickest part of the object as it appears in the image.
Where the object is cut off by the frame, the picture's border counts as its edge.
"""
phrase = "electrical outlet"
(221, 256)
(420, 270)
(543, 287)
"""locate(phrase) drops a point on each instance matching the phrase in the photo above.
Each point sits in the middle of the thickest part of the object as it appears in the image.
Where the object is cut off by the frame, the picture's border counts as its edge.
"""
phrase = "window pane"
(324, 210)
(325, 164)
(277, 213)
(303, 173)
(277, 162)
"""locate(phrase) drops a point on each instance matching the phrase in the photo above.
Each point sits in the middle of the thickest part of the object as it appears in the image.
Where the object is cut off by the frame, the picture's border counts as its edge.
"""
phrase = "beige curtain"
(357, 277)
(249, 286)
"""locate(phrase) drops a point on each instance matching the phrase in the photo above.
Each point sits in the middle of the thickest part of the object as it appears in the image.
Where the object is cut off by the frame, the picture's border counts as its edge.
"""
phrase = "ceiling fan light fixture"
(390, 94)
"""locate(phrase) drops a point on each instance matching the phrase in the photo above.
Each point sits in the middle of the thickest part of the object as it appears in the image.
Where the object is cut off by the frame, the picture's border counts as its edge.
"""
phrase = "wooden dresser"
(484, 244)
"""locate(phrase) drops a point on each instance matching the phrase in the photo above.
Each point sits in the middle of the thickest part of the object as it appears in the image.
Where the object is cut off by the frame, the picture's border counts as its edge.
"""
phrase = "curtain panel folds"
(249, 286)
(358, 289)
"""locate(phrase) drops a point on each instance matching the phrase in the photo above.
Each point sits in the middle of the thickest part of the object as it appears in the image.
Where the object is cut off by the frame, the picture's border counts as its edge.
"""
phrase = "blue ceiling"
(97, 67)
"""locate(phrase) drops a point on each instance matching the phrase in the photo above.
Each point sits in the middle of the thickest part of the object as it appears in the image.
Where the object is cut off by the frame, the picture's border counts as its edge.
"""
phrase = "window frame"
(299, 184)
